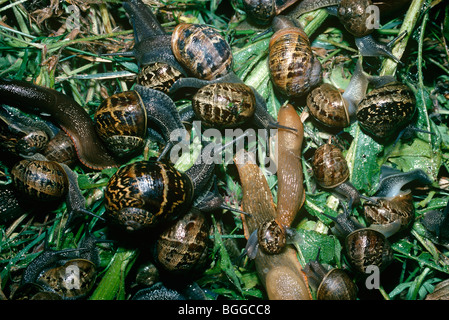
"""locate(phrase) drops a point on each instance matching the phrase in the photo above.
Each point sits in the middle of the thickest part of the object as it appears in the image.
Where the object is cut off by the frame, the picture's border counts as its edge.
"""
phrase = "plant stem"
(389, 66)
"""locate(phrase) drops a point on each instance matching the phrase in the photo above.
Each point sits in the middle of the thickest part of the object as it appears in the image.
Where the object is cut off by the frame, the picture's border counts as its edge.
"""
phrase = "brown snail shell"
(262, 11)
(388, 210)
(386, 110)
(272, 237)
(334, 284)
(354, 16)
(40, 180)
(182, 247)
(144, 194)
(121, 122)
(224, 104)
(158, 76)
(327, 106)
(72, 280)
(367, 247)
(202, 50)
(294, 69)
(329, 166)
(61, 149)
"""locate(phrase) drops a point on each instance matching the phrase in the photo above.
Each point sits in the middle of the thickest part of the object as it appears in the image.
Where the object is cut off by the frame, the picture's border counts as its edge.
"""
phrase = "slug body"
(291, 194)
(294, 69)
(158, 67)
(68, 114)
(281, 273)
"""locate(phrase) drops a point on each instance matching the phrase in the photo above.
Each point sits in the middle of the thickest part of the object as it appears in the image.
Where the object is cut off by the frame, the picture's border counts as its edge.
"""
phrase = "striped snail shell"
(121, 122)
(40, 180)
(294, 69)
(202, 50)
(224, 104)
(145, 194)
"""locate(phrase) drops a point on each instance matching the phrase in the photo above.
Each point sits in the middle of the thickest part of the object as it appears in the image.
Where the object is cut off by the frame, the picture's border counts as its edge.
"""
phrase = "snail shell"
(144, 194)
(158, 76)
(327, 106)
(329, 166)
(72, 280)
(61, 149)
(202, 50)
(271, 237)
(224, 104)
(334, 284)
(182, 247)
(354, 16)
(293, 67)
(121, 122)
(386, 110)
(367, 247)
(388, 210)
(262, 11)
(40, 180)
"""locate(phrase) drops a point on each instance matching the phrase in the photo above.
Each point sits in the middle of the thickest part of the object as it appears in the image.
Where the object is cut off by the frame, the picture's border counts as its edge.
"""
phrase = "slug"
(66, 112)
(281, 274)
(291, 193)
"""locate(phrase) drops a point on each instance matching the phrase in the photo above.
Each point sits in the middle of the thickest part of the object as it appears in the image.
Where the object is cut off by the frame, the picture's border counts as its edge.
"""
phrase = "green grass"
(47, 53)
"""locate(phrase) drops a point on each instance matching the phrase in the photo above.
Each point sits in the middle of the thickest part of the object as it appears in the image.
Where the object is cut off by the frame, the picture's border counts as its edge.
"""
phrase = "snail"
(294, 69)
(49, 181)
(327, 105)
(272, 235)
(391, 202)
(365, 246)
(331, 172)
(357, 18)
(386, 110)
(158, 67)
(145, 194)
(67, 113)
(22, 135)
(224, 105)
(202, 47)
(123, 120)
(334, 284)
(281, 273)
(181, 248)
(263, 11)
(61, 149)
(68, 273)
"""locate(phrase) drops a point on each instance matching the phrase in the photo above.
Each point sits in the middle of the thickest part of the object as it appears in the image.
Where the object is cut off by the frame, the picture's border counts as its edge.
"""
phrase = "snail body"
(182, 247)
(386, 110)
(158, 67)
(67, 113)
(333, 284)
(294, 69)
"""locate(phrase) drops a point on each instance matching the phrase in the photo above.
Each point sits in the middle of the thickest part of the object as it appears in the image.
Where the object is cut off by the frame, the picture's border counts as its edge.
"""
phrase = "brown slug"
(66, 112)
(281, 273)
